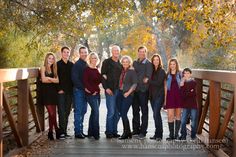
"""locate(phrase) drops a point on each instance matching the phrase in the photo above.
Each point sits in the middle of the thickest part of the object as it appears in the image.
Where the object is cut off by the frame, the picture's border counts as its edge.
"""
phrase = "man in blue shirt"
(80, 103)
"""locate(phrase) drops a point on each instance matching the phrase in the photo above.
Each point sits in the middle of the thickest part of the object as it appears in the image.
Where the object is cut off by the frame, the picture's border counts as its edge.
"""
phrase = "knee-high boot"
(171, 130)
(177, 127)
(127, 133)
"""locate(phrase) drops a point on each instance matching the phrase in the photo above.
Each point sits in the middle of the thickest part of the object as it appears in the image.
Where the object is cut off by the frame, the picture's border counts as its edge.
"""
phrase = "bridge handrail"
(212, 103)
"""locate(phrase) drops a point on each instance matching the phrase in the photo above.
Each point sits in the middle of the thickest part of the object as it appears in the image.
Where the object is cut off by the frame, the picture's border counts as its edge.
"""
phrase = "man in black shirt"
(65, 88)
(111, 70)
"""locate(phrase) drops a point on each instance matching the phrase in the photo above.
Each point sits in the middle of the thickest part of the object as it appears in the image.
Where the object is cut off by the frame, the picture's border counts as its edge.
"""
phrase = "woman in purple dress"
(173, 100)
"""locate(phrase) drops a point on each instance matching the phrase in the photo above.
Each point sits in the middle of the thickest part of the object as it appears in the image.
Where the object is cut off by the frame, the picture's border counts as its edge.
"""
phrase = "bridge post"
(199, 97)
(234, 130)
(214, 115)
(23, 110)
(1, 106)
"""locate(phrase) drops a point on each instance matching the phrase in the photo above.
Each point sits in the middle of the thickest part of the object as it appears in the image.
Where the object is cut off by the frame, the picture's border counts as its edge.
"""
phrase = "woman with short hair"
(127, 84)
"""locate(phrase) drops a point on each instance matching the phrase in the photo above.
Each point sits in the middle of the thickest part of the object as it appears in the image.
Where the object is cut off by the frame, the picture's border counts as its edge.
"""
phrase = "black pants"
(140, 101)
(64, 108)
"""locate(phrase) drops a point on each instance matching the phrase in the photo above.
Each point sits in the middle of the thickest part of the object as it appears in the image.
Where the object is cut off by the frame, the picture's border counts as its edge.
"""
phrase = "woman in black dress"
(49, 91)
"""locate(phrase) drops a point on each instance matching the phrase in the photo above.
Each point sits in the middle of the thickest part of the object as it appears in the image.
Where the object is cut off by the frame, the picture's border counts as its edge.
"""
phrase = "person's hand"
(60, 92)
(182, 82)
(145, 80)
(49, 79)
(95, 93)
(86, 90)
(104, 76)
(164, 104)
(126, 94)
(109, 92)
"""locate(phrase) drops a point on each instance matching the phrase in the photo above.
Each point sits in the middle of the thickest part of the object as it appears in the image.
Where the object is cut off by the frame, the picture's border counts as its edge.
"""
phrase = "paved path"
(113, 147)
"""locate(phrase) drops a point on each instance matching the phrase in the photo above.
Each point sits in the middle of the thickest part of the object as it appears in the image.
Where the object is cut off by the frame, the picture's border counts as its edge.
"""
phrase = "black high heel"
(50, 135)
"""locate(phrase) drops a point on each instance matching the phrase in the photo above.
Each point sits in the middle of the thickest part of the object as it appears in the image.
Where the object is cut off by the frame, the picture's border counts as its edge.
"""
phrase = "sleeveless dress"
(49, 91)
(173, 99)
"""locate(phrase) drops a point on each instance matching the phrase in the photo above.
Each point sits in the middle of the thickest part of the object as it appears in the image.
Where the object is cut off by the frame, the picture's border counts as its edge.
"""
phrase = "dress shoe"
(79, 136)
(109, 136)
(116, 135)
(84, 135)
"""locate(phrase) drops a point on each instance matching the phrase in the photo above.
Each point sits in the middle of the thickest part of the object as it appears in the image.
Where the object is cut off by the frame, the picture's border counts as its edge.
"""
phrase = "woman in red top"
(92, 79)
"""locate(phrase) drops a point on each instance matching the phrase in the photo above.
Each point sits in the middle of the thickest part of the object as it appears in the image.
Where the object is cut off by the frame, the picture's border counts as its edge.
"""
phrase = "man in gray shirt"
(143, 68)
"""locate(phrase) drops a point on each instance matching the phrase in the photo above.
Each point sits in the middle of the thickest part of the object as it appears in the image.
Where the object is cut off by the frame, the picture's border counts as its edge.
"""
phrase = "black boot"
(127, 133)
(50, 135)
(177, 127)
(171, 129)
(58, 134)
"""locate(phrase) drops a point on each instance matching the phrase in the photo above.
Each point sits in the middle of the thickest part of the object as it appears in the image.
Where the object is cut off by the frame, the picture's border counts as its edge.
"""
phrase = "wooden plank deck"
(72, 147)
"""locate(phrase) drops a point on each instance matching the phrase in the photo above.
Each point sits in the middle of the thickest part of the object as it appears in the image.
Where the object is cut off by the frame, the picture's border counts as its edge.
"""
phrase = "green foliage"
(30, 28)
(17, 50)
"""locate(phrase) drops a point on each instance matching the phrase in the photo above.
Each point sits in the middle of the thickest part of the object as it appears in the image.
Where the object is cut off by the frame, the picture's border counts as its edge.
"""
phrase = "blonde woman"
(91, 79)
(49, 92)
(127, 84)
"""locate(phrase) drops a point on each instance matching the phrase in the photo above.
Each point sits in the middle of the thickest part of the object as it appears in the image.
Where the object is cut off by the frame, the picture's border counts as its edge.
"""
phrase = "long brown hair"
(160, 61)
(177, 65)
(54, 66)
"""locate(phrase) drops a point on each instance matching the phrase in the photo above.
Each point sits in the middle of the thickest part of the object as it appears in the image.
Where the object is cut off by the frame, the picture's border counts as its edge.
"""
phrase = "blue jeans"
(80, 108)
(156, 108)
(193, 113)
(94, 102)
(64, 108)
(112, 113)
(124, 104)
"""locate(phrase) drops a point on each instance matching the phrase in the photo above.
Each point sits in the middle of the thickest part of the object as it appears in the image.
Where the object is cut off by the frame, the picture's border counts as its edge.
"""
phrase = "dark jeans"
(112, 113)
(140, 101)
(94, 102)
(80, 108)
(124, 104)
(64, 108)
(193, 113)
(156, 108)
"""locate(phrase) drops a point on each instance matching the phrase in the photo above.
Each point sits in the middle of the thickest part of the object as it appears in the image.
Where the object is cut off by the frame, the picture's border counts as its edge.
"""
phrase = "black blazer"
(156, 83)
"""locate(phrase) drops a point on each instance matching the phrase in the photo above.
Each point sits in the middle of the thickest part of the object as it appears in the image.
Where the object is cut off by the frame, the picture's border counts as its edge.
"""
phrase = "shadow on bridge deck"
(72, 147)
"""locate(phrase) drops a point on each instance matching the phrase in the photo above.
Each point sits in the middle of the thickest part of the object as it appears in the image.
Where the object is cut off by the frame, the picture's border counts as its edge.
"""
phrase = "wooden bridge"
(22, 121)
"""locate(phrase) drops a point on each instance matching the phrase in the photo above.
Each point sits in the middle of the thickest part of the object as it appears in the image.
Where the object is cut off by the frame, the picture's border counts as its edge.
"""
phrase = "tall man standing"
(111, 70)
(80, 103)
(65, 87)
(143, 68)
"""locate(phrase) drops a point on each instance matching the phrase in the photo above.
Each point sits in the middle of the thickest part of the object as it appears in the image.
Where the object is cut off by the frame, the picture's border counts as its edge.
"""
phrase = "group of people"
(126, 83)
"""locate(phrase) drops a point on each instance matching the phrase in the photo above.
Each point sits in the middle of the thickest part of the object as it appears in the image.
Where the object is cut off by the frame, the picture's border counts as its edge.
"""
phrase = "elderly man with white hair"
(111, 70)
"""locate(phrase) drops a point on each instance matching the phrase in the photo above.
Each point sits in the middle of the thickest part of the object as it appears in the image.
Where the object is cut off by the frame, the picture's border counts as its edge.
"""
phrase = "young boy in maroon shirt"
(189, 103)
